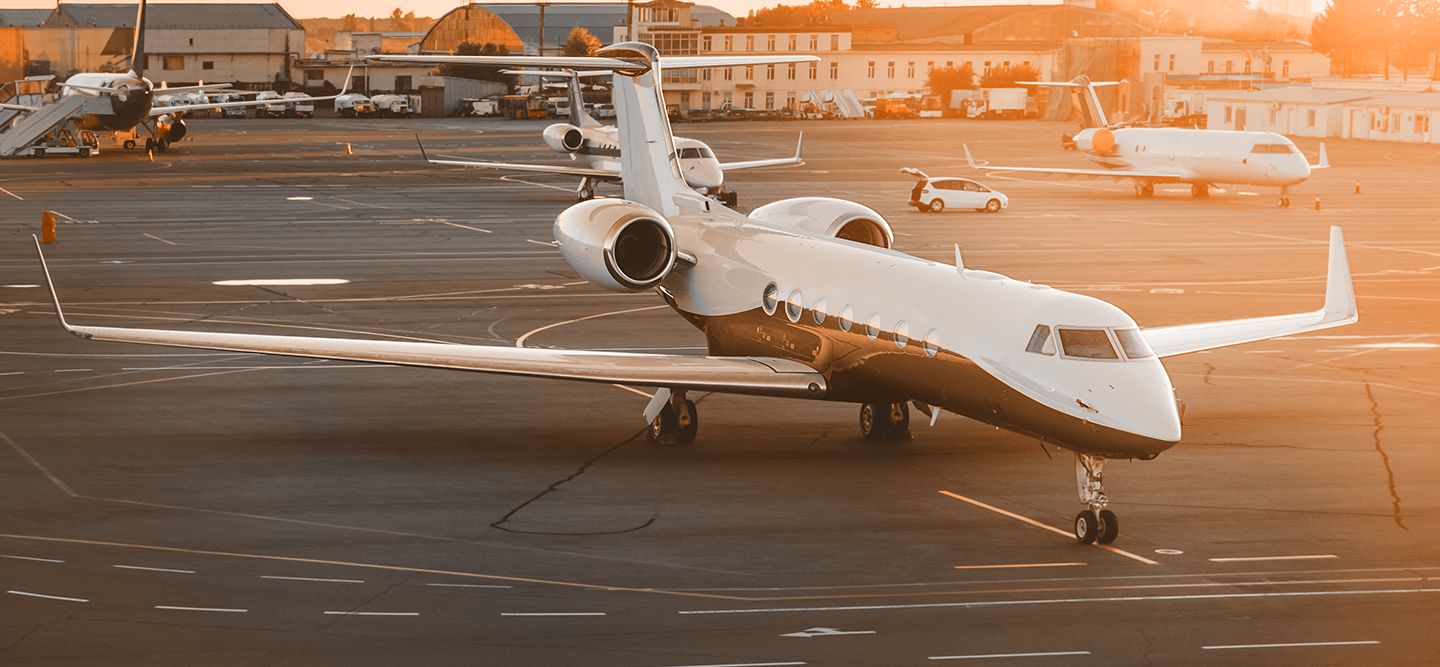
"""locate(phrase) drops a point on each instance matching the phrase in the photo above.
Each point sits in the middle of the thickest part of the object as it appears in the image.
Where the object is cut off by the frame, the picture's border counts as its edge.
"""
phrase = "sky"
(436, 8)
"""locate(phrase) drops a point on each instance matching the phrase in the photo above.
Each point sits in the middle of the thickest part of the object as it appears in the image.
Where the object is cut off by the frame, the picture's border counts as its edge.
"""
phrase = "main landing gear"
(882, 420)
(677, 422)
(1095, 524)
(1144, 189)
(1284, 197)
(1200, 190)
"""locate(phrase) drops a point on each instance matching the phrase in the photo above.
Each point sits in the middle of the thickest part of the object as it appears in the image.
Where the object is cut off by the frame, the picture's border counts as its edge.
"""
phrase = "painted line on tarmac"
(456, 224)
(338, 581)
(43, 560)
(520, 342)
(553, 613)
(47, 597)
(219, 609)
(12, 194)
(153, 569)
(373, 613)
(469, 586)
(1214, 648)
(1259, 558)
(1006, 655)
(749, 664)
(1052, 529)
(989, 567)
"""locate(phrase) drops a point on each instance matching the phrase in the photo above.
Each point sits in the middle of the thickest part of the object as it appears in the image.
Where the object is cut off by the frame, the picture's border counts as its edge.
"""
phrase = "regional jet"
(123, 102)
(805, 298)
(597, 145)
(1199, 157)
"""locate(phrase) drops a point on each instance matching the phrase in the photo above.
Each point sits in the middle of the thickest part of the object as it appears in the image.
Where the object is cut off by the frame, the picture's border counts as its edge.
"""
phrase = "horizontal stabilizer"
(1339, 310)
(777, 162)
(541, 168)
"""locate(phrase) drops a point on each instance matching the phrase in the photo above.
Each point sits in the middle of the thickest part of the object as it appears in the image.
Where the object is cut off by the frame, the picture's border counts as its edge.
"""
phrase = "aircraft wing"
(761, 376)
(160, 111)
(1116, 174)
(546, 169)
(204, 87)
(1339, 309)
(751, 164)
(592, 63)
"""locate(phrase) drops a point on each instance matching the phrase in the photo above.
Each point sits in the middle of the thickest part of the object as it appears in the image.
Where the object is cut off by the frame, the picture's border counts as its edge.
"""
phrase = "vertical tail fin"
(578, 116)
(1082, 95)
(137, 52)
(649, 170)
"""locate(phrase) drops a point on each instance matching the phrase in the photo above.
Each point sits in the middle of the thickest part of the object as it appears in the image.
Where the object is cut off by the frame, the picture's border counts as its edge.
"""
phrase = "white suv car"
(938, 194)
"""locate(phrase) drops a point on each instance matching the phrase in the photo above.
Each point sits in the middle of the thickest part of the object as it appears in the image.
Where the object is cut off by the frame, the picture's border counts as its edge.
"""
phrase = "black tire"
(687, 431)
(1085, 527)
(874, 420)
(663, 429)
(149, 143)
(129, 143)
(1107, 527)
(161, 145)
(992, 206)
(937, 205)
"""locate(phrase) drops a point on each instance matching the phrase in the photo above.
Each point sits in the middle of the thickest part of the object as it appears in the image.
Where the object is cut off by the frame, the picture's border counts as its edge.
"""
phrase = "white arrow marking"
(822, 632)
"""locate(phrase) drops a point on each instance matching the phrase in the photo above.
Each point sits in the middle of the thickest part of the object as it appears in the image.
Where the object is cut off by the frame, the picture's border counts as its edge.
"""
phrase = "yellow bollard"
(347, 149)
(47, 227)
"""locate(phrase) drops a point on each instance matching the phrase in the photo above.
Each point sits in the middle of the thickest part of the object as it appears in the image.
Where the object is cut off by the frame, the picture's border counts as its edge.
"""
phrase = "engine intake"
(620, 245)
(564, 138)
(828, 217)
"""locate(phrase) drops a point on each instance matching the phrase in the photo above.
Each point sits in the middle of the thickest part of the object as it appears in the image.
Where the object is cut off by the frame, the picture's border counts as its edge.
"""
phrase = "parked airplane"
(127, 101)
(597, 145)
(804, 298)
(1199, 157)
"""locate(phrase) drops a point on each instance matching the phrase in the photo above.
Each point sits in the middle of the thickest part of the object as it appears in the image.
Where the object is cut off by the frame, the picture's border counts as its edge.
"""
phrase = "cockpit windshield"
(1134, 344)
(1087, 344)
(1090, 343)
(695, 153)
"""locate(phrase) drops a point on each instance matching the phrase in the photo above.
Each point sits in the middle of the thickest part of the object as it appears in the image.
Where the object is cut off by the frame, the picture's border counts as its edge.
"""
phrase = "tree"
(867, 4)
(942, 80)
(1352, 31)
(1223, 19)
(477, 72)
(793, 15)
(1005, 77)
(581, 43)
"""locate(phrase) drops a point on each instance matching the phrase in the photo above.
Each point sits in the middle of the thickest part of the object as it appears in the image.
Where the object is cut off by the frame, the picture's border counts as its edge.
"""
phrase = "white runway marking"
(154, 569)
(1257, 558)
(1052, 529)
(1006, 655)
(43, 560)
(340, 581)
(73, 370)
(282, 282)
(1212, 648)
(12, 194)
(373, 613)
(469, 586)
(47, 597)
(232, 611)
(988, 567)
(749, 664)
(554, 613)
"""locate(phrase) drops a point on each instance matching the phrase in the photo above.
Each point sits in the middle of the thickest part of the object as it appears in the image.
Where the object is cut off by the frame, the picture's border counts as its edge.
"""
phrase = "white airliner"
(1151, 155)
(125, 101)
(597, 145)
(804, 298)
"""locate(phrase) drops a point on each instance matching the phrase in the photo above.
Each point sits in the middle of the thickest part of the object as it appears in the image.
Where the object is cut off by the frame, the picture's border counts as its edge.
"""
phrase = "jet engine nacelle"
(171, 129)
(563, 138)
(1097, 139)
(828, 217)
(619, 245)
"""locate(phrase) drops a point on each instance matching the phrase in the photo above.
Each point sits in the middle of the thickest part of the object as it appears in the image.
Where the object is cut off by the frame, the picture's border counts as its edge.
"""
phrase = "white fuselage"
(601, 150)
(131, 99)
(1202, 156)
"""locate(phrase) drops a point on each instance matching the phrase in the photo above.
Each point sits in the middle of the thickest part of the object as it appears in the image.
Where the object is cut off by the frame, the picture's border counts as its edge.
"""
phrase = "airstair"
(48, 130)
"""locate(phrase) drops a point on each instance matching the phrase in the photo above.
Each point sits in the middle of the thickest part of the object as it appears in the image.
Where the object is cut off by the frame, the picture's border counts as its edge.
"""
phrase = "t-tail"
(649, 171)
(1082, 95)
(137, 53)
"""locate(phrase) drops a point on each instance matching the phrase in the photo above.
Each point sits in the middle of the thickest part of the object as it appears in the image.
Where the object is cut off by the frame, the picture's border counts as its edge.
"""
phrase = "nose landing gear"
(1096, 523)
(1284, 197)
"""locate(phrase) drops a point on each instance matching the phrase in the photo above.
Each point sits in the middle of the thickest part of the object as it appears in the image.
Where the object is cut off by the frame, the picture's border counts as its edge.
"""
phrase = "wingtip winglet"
(968, 157)
(1339, 289)
(423, 154)
(799, 145)
(54, 297)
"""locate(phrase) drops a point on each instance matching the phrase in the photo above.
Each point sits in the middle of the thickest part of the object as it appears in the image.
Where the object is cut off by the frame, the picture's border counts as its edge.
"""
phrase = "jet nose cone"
(702, 174)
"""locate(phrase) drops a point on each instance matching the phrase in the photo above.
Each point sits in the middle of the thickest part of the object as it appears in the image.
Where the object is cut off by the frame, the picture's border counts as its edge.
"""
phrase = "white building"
(1294, 111)
(1408, 118)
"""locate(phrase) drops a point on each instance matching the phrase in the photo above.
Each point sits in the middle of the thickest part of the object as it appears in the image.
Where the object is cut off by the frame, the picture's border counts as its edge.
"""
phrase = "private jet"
(806, 299)
(1201, 158)
(123, 102)
(597, 146)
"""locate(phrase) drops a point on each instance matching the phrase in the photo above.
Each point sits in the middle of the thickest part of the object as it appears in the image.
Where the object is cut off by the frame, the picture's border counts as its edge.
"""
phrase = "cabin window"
(1134, 344)
(932, 343)
(1087, 344)
(818, 311)
(794, 306)
(902, 334)
(847, 318)
(1040, 341)
(770, 299)
(872, 326)
(1274, 148)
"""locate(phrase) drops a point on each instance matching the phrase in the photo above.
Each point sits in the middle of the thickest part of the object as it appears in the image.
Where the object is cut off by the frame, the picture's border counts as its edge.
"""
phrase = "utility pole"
(629, 20)
(542, 28)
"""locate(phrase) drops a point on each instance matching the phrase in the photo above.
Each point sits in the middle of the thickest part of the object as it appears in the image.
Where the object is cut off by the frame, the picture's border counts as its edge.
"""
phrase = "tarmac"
(181, 507)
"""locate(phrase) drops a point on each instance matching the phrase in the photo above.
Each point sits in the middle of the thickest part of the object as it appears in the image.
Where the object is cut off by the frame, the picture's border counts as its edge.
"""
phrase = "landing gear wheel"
(1107, 527)
(149, 144)
(129, 144)
(664, 429)
(585, 195)
(1284, 202)
(1086, 527)
(688, 423)
(937, 206)
(882, 420)
(161, 145)
(1200, 190)
(992, 206)
(1144, 190)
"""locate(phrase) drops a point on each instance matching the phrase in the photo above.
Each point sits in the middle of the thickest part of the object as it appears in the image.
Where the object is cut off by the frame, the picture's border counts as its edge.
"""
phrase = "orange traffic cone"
(1317, 202)
(47, 227)
(151, 154)
(1357, 186)
(347, 149)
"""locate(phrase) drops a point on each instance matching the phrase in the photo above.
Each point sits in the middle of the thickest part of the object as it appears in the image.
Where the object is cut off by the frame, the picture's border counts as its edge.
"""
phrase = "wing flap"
(1339, 309)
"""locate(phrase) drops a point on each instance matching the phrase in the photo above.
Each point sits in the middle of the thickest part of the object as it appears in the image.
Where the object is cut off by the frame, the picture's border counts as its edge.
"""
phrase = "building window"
(749, 42)
(790, 74)
(790, 104)
(834, 42)
(402, 84)
(890, 70)
(208, 64)
(814, 70)
(685, 101)
(172, 62)
(1157, 62)
(987, 68)
(728, 73)
(1227, 114)
(1210, 68)
(910, 71)
(725, 98)
(769, 72)
(770, 43)
(749, 100)
(705, 75)
(729, 42)
(1310, 118)
(1422, 124)
(1229, 66)
(792, 43)
(1006, 65)
(1284, 69)
(769, 101)
(1247, 65)
(310, 75)
(929, 67)
(814, 42)
(870, 70)
(750, 72)
(705, 42)
(1273, 113)
(1172, 62)
(834, 70)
